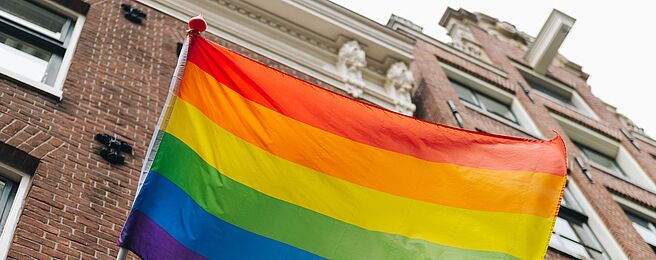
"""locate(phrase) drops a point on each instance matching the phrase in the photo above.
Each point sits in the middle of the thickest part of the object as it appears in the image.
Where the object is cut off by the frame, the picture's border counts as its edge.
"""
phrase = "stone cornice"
(304, 35)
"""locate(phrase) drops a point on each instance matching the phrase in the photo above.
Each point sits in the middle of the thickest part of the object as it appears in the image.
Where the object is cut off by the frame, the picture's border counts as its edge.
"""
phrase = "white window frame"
(57, 88)
(611, 148)
(525, 123)
(595, 223)
(24, 182)
(636, 208)
(578, 103)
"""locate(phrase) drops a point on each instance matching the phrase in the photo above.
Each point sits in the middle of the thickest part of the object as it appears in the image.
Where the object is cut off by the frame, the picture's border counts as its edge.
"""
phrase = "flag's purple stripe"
(201, 232)
(150, 241)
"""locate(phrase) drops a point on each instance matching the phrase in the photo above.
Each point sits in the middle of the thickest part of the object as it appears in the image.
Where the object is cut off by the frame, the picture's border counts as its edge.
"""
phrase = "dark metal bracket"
(584, 168)
(132, 14)
(455, 112)
(527, 92)
(114, 148)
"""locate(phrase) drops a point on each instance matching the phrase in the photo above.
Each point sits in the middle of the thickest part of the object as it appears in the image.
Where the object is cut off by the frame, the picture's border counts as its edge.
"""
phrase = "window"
(562, 96)
(14, 185)
(645, 227)
(36, 43)
(605, 154)
(571, 233)
(600, 160)
(556, 91)
(491, 101)
(483, 101)
(7, 193)
(642, 218)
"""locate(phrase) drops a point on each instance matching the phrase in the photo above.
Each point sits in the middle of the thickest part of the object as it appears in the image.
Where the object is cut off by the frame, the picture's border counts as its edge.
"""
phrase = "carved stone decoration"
(628, 123)
(351, 59)
(399, 85)
(464, 40)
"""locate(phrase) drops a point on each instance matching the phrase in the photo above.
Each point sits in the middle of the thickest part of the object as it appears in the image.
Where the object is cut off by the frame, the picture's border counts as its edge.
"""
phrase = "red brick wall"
(117, 84)
(435, 89)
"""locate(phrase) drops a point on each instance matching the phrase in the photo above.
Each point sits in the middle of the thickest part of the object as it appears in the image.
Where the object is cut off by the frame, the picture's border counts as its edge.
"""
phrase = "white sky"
(615, 43)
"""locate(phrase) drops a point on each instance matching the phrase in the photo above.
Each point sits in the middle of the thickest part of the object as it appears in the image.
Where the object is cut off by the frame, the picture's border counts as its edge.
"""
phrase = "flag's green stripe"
(288, 223)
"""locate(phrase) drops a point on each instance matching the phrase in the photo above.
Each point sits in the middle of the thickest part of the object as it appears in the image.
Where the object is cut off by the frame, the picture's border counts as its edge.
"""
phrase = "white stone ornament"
(350, 61)
(399, 85)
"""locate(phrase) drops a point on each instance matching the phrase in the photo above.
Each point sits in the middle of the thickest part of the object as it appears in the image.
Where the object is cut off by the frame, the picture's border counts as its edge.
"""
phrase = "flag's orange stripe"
(367, 124)
(365, 165)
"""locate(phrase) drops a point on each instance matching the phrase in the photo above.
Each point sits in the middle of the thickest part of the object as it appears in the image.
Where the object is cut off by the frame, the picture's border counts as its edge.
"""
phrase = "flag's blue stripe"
(205, 234)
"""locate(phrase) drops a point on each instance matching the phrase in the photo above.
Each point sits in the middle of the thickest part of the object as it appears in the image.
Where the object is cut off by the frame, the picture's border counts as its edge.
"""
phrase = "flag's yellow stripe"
(369, 166)
(514, 234)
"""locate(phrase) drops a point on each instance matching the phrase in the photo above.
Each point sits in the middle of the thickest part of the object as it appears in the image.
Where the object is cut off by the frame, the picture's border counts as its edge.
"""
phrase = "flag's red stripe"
(370, 125)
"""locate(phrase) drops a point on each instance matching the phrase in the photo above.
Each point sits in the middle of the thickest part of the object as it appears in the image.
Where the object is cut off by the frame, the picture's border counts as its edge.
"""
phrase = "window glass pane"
(576, 239)
(599, 159)
(29, 13)
(7, 192)
(565, 236)
(497, 108)
(464, 93)
(646, 234)
(23, 58)
(564, 229)
(567, 99)
(589, 240)
(644, 227)
(569, 201)
(638, 220)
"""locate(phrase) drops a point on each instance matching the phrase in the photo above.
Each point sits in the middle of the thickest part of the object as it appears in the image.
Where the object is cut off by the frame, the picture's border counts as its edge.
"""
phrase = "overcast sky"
(615, 44)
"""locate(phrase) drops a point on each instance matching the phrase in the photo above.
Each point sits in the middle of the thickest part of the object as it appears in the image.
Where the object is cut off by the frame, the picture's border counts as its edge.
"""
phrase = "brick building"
(103, 67)
(494, 78)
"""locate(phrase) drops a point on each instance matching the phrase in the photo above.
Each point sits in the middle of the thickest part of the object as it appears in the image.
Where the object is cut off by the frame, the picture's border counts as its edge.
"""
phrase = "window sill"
(38, 86)
(503, 120)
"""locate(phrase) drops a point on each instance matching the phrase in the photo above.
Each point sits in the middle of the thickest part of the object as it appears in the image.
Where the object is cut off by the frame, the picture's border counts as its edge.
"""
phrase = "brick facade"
(434, 89)
(117, 84)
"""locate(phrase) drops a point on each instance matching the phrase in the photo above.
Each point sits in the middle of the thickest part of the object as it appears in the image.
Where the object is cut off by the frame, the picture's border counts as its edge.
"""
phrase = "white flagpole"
(161, 123)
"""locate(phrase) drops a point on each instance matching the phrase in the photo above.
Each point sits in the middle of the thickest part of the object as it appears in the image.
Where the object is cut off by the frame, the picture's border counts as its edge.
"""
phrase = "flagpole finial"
(197, 24)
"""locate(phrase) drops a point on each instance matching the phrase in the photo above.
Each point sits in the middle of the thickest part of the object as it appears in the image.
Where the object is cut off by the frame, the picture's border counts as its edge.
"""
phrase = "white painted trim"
(580, 106)
(612, 148)
(24, 182)
(596, 224)
(311, 59)
(525, 125)
(68, 56)
(32, 83)
(357, 24)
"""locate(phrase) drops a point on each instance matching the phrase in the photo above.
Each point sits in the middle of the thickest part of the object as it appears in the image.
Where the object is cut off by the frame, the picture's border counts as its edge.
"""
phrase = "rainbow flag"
(254, 163)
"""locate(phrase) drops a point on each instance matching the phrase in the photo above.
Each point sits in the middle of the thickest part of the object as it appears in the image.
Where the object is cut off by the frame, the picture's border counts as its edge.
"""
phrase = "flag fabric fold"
(254, 163)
